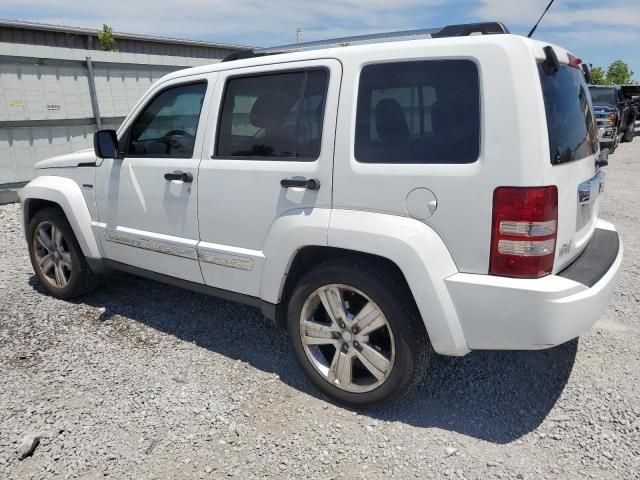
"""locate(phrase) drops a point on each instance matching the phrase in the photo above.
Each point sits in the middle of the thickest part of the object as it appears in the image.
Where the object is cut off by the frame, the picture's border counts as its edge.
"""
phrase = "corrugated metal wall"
(45, 100)
(29, 36)
(118, 89)
(21, 148)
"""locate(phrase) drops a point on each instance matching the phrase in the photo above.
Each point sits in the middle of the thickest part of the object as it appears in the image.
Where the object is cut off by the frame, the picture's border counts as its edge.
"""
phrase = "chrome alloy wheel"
(53, 258)
(347, 338)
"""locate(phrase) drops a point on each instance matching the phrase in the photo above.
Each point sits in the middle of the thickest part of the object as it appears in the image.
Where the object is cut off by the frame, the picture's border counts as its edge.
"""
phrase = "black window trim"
(126, 137)
(481, 119)
(257, 158)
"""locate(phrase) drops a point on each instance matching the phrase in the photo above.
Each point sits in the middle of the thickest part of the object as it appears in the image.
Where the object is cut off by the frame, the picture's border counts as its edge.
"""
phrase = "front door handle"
(186, 177)
(311, 184)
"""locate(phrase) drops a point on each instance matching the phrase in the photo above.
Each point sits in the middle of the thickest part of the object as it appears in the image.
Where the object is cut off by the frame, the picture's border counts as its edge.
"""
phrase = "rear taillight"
(523, 233)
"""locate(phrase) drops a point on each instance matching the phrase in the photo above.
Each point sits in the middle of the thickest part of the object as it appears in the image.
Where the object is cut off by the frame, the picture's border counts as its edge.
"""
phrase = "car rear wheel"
(56, 257)
(357, 333)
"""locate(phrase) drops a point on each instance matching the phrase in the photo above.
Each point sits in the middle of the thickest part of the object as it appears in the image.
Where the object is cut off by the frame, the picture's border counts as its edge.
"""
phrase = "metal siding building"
(47, 73)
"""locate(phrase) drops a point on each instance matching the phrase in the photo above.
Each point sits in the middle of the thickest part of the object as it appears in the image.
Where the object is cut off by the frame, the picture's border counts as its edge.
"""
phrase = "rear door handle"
(186, 177)
(311, 184)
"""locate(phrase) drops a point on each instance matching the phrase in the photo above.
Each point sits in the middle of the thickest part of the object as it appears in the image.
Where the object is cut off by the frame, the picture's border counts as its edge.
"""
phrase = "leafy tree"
(106, 38)
(619, 73)
(597, 76)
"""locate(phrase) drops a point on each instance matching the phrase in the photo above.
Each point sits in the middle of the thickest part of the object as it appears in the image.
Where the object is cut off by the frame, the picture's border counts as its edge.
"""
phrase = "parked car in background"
(632, 94)
(615, 116)
(382, 199)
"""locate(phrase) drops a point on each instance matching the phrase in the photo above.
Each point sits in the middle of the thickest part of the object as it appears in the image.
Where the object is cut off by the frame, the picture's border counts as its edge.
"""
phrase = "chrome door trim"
(224, 259)
(152, 244)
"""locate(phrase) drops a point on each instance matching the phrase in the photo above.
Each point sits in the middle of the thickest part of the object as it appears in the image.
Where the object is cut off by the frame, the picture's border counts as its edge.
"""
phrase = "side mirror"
(105, 144)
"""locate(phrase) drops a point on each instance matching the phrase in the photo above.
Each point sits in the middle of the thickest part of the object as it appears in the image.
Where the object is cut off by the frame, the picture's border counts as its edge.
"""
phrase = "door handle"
(311, 184)
(186, 177)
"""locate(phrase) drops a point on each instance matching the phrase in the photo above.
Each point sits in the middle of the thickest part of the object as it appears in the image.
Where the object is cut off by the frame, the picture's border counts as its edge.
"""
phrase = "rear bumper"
(498, 313)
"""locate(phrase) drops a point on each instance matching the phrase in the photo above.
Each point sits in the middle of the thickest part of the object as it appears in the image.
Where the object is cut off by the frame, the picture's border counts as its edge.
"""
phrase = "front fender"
(422, 257)
(67, 194)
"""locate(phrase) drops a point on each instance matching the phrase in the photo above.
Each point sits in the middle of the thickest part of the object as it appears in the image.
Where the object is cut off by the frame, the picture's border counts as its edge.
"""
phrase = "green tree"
(619, 73)
(597, 76)
(106, 38)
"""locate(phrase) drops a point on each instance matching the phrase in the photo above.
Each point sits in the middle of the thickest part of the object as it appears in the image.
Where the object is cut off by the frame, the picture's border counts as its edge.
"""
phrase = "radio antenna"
(541, 16)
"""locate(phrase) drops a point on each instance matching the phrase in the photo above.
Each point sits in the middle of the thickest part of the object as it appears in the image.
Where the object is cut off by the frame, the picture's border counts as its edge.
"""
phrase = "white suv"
(382, 197)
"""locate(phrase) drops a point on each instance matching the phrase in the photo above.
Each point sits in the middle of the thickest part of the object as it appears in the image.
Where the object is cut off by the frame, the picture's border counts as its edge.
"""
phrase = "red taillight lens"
(523, 233)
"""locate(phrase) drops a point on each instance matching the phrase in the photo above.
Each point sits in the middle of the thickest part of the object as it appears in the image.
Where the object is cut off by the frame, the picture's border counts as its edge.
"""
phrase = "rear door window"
(277, 116)
(418, 112)
(570, 123)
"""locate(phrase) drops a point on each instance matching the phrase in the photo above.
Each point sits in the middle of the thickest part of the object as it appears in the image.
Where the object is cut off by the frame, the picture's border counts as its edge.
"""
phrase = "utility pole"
(298, 35)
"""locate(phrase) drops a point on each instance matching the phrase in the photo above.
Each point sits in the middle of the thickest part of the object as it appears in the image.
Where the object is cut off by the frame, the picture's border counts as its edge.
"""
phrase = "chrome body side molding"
(152, 244)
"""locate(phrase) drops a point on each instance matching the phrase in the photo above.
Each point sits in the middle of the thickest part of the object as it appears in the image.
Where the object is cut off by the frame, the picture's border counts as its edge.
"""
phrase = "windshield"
(603, 96)
(570, 122)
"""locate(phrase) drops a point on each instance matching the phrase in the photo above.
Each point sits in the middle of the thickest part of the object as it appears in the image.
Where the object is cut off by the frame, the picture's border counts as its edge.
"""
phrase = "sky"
(596, 31)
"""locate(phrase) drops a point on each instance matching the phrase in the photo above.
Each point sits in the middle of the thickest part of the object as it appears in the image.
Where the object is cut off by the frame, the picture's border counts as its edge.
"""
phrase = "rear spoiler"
(551, 64)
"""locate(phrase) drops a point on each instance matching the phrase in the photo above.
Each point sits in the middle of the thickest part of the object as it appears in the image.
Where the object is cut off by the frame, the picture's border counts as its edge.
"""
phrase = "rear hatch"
(573, 149)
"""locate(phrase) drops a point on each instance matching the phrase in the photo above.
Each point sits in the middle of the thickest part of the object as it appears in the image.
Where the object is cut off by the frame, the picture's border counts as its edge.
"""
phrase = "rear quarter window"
(570, 123)
(418, 112)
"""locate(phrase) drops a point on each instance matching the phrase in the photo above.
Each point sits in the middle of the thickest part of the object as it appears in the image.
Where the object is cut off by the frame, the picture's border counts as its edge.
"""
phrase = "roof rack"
(485, 28)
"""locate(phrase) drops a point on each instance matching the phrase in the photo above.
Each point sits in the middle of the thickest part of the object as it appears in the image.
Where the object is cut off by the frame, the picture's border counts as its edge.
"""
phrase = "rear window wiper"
(551, 63)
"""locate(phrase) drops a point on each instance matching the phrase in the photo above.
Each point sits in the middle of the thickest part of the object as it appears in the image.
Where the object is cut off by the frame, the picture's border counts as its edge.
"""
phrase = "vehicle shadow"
(493, 396)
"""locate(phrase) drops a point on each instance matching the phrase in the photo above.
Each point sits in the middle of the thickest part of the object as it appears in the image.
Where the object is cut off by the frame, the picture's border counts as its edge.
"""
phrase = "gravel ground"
(142, 380)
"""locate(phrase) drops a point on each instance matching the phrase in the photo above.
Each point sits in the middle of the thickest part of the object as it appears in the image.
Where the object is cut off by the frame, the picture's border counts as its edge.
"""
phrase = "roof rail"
(485, 28)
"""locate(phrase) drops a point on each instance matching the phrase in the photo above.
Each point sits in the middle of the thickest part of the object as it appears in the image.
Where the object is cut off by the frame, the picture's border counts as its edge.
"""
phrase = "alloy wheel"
(347, 338)
(53, 258)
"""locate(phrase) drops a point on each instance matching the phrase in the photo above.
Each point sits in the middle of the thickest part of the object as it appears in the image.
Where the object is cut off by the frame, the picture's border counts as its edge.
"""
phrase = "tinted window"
(418, 112)
(603, 96)
(273, 116)
(570, 123)
(167, 126)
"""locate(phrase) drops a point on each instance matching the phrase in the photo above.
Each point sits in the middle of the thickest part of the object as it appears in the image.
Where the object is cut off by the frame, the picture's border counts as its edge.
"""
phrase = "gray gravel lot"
(142, 380)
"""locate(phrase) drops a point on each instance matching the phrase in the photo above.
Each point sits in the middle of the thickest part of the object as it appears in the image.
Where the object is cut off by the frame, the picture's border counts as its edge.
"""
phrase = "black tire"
(629, 133)
(386, 287)
(81, 279)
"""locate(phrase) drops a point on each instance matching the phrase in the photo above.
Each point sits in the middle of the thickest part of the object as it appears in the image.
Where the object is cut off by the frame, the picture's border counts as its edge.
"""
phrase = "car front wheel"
(56, 257)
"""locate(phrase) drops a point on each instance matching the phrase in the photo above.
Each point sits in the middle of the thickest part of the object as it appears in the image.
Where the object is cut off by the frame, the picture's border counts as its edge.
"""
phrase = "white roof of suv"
(487, 31)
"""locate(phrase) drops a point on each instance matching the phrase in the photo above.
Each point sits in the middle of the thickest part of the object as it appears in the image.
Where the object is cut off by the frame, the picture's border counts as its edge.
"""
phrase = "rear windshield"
(570, 123)
(603, 96)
